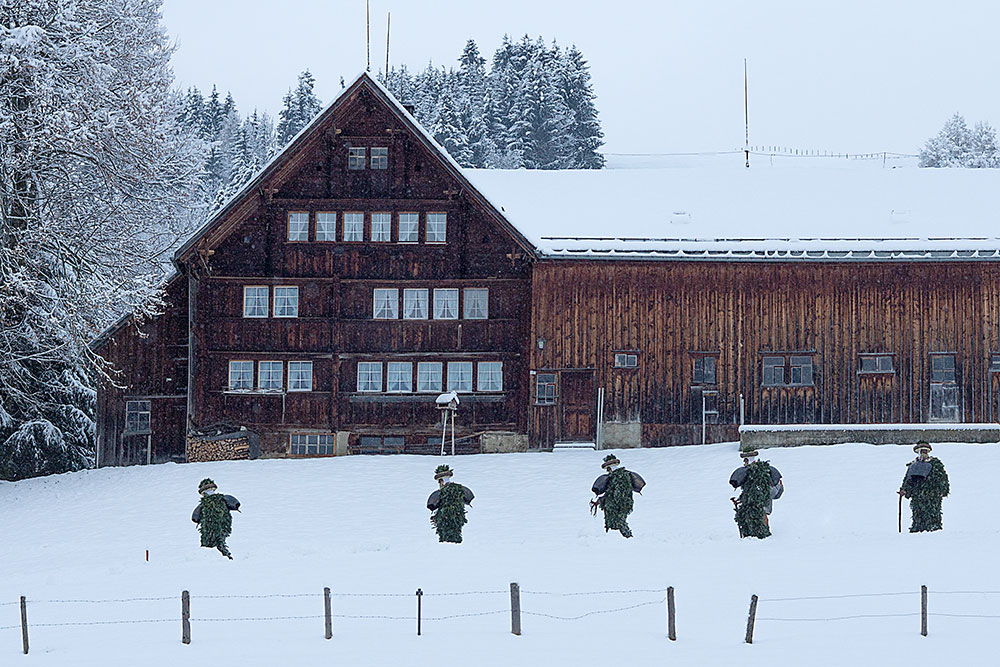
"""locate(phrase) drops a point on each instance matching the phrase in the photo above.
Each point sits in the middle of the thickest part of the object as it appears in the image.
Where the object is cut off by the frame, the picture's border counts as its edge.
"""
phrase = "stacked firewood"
(224, 447)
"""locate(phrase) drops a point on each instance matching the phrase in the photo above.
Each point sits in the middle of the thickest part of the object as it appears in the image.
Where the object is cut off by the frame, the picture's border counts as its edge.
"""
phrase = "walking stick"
(901, 511)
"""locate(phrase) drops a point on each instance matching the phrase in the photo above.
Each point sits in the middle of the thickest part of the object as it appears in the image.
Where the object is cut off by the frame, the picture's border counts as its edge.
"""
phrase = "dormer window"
(356, 158)
(380, 157)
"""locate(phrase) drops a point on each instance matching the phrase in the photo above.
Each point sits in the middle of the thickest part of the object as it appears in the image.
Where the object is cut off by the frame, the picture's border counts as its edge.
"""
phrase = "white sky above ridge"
(846, 76)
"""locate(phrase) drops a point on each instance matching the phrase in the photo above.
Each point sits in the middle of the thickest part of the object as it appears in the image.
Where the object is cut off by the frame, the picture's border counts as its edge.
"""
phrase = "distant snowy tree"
(300, 106)
(96, 176)
(586, 136)
(958, 146)
(448, 129)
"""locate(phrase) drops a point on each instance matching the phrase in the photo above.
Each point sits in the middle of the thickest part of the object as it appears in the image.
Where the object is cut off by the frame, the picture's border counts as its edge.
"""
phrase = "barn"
(363, 272)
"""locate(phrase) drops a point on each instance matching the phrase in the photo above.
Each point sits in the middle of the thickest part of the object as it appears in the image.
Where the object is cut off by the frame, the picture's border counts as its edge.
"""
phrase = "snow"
(358, 525)
(723, 210)
(746, 428)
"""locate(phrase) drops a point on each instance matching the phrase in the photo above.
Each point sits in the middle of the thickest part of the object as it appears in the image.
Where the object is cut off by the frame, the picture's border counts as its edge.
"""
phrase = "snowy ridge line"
(839, 597)
(634, 590)
(595, 612)
(843, 618)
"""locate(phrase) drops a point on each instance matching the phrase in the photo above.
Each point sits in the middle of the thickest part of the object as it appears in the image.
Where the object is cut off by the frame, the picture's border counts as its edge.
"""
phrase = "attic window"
(356, 158)
(626, 360)
(380, 157)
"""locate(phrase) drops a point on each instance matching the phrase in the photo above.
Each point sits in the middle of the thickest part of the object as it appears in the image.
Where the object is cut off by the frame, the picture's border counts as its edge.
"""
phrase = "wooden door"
(578, 403)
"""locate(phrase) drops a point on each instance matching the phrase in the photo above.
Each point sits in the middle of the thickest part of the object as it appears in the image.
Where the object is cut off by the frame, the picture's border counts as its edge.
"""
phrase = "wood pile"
(235, 446)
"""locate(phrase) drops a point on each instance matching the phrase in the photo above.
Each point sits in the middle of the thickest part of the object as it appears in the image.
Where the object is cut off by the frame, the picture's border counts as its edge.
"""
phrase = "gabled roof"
(220, 223)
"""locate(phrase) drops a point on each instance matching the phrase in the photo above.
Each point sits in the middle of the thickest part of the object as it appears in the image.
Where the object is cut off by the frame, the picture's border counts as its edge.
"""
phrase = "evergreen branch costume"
(213, 517)
(925, 484)
(614, 495)
(761, 484)
(447, 506)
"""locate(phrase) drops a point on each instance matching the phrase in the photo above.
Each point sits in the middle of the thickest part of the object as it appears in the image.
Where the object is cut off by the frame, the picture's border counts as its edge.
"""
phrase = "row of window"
(416, 306)
(399, 376)
(270, 375)
(380, 227)
(356, 157)
(256, 299)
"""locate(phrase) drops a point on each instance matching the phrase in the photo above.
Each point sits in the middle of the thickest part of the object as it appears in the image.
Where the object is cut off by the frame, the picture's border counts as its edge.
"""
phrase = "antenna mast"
(388, 21)
(368, 33)
(746, 115)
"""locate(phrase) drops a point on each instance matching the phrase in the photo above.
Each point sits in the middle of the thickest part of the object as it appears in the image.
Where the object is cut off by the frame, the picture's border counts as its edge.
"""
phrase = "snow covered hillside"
(358, 525)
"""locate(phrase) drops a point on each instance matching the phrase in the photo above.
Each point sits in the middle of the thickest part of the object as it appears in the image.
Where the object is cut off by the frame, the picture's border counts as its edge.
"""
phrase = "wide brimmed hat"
(442, 472)
(921, 445)
(609, 461)
(205, 485)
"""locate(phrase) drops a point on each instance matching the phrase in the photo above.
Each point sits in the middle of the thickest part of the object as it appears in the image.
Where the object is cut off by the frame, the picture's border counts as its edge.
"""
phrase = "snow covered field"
(358, 525)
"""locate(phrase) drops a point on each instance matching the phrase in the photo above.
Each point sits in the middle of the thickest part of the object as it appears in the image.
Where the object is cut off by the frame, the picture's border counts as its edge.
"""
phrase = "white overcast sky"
(847, 76)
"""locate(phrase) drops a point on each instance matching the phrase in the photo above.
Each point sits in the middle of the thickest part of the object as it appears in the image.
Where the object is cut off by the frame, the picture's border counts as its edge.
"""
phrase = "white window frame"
(399, 377)
(409, 227)
(626, 360)
(300, 376)
(322, 444)
(326, 226)
(460, 376)
(266, 373)
(369, 373)
(446, 296)
(240, 375)
(354, 227)
(381, 227)
(470, 294)
(252, 305)
(437, 228)
(286, 301)
(298, 226)
(379, 162)
(357, 157)
(489, 376)
(415, 303)
(429, 377)
(385, 303)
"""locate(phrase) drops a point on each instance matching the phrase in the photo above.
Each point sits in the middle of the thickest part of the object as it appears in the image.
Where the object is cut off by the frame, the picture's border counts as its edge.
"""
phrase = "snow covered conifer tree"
(586, 136)
(448, 130)
(301, 106)
(951, 147)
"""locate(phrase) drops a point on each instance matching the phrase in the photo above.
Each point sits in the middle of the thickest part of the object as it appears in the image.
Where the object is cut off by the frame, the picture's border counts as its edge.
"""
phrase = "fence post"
(515, 609)
(923, 610)
(329, 613)
(420, 594)
(671, 630)
(750, 619)
(185, 617)
(24, 624)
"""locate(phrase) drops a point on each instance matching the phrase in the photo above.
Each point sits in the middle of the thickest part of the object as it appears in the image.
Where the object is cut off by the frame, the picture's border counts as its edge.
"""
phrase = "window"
(943, 368)
(269, 375)
(380, 157)
(255, 301)
(354, 226)
(414, 304)
(800, 371)
(490, 376)
(286, 301)
(459, 376)
(300, 376)
(400, 376)
(774, 371)
(240, 375)
(429, 376)
(477, 303)
(545, 389)
(369, 376)
(995, 363)
(703, 371)
(626, 360)
(876, 363)
(446, 304)
(437, 224)
(301, 444)
(386, 304)
(137, 417)
(298, 226)
(356, 157)
(381, 227)
(326, 226)
(409, 224)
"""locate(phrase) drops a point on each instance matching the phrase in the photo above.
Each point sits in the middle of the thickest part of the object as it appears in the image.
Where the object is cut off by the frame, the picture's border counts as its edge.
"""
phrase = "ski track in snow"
(359, 525)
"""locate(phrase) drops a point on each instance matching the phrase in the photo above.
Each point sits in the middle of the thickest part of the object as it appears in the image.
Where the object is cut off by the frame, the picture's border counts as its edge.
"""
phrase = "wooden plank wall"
(833, 312)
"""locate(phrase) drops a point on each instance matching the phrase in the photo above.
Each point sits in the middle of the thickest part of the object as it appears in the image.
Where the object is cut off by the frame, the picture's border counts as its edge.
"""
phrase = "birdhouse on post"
(448, 405)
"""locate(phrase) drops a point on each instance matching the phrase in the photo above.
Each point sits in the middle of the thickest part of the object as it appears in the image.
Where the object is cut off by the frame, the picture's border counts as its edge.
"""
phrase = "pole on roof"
(388, 21)
(746, 115)
(368, 34)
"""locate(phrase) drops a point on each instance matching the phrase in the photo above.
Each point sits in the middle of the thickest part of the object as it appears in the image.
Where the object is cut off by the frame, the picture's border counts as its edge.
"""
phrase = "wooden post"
(923, 611)
(329, 613)
(515, 609)
(671, 629)
(750, 619)
(24, 624)
(185, 617)
(419, 595)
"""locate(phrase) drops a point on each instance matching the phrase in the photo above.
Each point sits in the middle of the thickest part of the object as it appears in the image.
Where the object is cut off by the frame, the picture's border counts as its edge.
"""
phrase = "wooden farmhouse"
(362, 273)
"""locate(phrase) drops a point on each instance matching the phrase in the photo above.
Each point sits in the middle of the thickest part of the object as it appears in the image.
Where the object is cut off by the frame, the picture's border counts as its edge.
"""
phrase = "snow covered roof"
(729, 212)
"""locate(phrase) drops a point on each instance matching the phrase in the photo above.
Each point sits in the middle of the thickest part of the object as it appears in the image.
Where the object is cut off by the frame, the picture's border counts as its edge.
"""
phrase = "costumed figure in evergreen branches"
(925, 484)
(213, 517)
(614, 495)
(760, 484)
(447, 506)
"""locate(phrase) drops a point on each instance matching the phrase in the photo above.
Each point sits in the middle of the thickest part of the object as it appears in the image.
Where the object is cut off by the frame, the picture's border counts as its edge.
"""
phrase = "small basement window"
(137, 417)
(302, 444)
(626, 360)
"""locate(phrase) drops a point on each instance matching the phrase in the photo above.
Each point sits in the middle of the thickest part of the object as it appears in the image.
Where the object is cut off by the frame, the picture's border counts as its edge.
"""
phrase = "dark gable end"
(364, 91)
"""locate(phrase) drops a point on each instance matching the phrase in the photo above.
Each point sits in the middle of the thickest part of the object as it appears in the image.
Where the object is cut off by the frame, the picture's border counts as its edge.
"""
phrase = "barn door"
(944, 401)
(578, 403)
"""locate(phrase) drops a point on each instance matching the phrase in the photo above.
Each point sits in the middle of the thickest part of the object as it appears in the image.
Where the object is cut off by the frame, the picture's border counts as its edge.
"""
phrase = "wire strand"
(592, 613)
(839, 597)
(841, 618)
